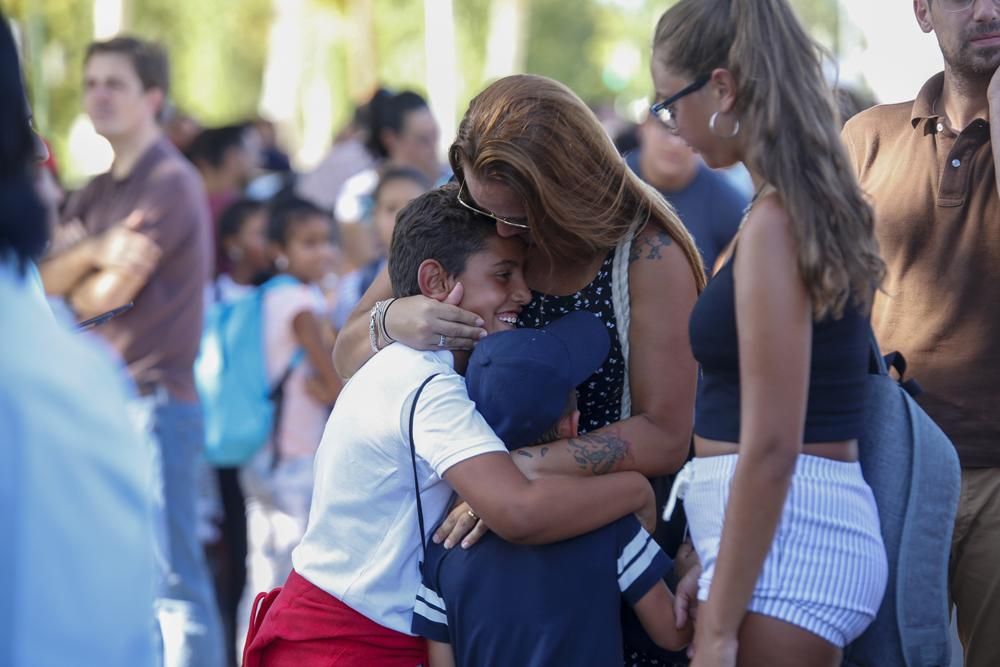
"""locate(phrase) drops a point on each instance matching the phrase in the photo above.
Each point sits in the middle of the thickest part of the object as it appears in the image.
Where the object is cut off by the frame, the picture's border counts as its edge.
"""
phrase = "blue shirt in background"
(711, 208)
(503, 604)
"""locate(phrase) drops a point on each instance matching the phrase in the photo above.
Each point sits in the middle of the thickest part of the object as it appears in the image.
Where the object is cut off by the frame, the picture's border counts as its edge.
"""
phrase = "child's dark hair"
(289, 211)
(211, 145)
(553, 433)
(400, 174)
(387, 111)
(234, 216)
(435, 226)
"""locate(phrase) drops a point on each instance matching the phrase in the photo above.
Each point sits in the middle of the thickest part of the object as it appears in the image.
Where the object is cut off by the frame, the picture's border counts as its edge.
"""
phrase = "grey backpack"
(913, 470)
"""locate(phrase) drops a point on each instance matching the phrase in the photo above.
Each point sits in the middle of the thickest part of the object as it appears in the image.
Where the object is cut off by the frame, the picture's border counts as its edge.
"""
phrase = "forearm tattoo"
(528, 455)
(649, 246)
(599, 452)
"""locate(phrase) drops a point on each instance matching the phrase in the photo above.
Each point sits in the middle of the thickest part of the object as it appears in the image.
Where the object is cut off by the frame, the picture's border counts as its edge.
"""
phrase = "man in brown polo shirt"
(147, 241)
(931, 168)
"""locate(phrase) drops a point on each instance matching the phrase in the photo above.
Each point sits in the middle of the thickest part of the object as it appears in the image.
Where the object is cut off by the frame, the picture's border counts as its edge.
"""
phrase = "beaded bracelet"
(376, 325)
(372, 333)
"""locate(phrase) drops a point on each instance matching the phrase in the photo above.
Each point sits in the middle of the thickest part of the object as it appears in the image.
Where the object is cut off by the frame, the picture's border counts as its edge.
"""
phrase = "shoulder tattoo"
(649, 246)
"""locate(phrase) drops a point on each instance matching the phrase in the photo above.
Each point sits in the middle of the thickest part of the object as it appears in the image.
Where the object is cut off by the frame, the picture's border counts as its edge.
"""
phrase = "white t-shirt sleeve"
(447, 429)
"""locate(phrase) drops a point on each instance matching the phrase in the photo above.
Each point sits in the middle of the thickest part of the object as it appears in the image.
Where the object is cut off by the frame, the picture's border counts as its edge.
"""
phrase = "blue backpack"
(239, 403)
(913, 471)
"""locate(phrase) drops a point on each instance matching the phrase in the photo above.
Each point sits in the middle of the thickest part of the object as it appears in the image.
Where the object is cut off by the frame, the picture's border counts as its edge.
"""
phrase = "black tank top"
(600, 397)
(838, 366)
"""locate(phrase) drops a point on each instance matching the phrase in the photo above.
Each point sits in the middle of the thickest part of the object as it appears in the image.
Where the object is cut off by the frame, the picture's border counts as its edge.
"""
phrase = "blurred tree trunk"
(505, 52)
(362, 51)
(442, 67)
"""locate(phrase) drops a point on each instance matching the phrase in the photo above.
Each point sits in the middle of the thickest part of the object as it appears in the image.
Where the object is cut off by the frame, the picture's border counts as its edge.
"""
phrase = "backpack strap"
(277, 393)
(277, 397)
(934, 482)
(413, 460)
(622, 301)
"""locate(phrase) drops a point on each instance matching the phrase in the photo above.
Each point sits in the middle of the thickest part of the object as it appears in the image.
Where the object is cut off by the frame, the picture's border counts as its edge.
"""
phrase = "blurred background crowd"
(305, 65)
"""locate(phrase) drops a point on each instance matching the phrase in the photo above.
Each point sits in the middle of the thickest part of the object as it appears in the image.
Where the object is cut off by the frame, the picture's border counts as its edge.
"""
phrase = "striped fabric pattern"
(431, 606)
(826, 571)
(635, 559)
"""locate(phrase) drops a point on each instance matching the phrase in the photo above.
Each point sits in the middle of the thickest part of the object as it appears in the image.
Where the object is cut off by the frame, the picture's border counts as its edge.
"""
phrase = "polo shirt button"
(956, 163)
(940, 127)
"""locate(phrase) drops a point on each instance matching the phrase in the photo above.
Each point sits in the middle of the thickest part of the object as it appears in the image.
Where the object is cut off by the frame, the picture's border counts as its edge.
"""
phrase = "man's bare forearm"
(62, 273)
(104, 291)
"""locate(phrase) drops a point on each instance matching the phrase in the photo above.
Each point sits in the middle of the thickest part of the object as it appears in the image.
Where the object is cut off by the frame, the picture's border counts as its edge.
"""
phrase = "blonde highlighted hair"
(786, 106)
(536, 136)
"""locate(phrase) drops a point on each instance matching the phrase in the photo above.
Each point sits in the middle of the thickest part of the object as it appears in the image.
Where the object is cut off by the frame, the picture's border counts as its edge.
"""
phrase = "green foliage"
(218, 49)
(821, 18)
(54, 46)
(399, 39)
(217, 52)
(560, 44)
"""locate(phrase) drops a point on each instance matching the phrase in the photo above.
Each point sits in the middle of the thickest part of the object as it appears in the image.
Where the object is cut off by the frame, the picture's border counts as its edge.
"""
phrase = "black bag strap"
(880, 365)
(413, 460)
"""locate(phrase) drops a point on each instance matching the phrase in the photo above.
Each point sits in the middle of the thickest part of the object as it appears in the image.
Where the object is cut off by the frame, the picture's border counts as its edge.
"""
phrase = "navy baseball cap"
(520, 380)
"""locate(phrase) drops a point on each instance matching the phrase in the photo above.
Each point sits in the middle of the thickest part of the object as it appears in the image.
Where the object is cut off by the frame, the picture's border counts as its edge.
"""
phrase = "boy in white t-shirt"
(349, 601)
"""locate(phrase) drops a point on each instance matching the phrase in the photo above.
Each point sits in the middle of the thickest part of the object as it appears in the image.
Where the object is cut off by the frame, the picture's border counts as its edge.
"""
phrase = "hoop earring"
(711, 127)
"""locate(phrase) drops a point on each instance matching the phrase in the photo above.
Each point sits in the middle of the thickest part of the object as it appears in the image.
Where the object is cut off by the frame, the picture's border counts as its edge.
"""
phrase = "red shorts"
(299, 624)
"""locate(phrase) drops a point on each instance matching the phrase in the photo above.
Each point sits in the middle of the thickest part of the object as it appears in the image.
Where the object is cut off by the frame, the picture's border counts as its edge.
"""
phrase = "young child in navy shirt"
(505, 604)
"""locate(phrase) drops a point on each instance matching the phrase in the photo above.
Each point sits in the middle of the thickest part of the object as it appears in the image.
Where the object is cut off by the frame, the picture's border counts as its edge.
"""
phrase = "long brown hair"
(536, 136)
(787, 107)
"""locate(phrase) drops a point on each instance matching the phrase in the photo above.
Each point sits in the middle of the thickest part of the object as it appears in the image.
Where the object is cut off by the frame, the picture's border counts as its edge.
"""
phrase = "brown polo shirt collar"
(961, 146)
(923, 106)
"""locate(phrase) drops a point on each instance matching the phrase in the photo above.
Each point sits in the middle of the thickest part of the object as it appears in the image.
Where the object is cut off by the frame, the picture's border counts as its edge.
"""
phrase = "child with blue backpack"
(278, 480)
(504, 604)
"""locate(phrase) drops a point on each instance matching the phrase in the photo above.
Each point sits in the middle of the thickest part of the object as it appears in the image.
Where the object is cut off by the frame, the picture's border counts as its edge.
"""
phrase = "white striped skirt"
(826, 570)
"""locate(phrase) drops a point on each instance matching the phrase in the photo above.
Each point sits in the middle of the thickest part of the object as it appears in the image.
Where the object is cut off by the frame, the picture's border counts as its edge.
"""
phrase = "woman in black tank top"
(781, 333)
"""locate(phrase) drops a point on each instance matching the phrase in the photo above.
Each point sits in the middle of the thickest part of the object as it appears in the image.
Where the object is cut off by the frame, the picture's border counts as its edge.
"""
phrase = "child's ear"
(433, 280)
(569, 426)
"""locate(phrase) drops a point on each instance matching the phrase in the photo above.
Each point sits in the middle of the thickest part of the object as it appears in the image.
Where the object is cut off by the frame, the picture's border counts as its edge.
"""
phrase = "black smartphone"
(103, 317)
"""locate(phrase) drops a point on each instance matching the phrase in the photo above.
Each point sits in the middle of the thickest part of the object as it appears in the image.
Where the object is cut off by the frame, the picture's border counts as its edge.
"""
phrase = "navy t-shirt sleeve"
(430, 616)
(641, 562)
(729, 204)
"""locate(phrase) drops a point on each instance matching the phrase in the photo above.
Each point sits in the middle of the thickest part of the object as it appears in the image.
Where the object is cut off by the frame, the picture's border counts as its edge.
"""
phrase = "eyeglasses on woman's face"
(517, 223)
(663, 111)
